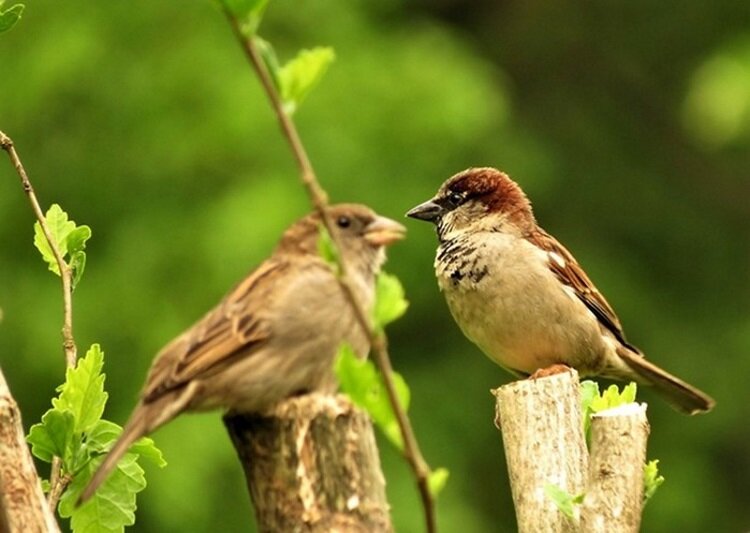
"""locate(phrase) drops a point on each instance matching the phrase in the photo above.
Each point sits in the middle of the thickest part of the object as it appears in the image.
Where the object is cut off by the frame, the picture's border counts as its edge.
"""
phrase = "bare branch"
(319, 200)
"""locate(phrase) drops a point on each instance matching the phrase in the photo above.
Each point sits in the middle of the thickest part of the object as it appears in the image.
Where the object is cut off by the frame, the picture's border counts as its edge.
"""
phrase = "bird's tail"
(134, 430)
(680, 395)
(145, 418)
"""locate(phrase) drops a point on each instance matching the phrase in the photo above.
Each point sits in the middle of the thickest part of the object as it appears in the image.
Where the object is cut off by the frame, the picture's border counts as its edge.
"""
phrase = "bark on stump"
(312, 465)
(541, 425)
(614, 498)
(23, 508)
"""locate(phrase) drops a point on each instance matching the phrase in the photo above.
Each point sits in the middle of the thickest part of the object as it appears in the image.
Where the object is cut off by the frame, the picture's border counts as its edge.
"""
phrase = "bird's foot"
(549, 371)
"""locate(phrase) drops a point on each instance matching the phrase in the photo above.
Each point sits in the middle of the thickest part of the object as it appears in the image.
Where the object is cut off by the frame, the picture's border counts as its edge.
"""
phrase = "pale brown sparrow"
(273, 336)
(522, 298)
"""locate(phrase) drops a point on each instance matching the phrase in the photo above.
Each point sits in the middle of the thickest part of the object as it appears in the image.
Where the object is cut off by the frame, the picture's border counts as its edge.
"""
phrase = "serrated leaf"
(298, 77)
(112, 506)
(390, 303)
(437, 480)
(564, 501)
(651, 479)
(146, 448)
(76, 239)
(327, 249)
(83, 391)
(102, 436)
(59, 227)
(363, 383)
(68, 238)
(52, 436)
(612, 397)
(9, 17)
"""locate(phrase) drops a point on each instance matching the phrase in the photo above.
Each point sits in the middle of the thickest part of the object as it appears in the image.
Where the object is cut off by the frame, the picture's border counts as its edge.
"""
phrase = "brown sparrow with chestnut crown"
(522, 298)
(273, 336)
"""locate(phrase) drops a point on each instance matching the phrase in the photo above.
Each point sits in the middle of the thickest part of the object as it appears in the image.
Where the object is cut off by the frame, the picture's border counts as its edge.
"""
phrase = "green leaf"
(564, 501)
(298, 77)
(9, 17)
(363, 383)
(327, 249)
(69, 239)
(612, 397)
(52, 436)
(83, 391)
(437, 480)
(112, 506)
(589, 392)
(59, 227)
(390, 303)
(76, 239)
(651, 479)
(249, 14)
(146, 448)
(77, 265)
(102, 436)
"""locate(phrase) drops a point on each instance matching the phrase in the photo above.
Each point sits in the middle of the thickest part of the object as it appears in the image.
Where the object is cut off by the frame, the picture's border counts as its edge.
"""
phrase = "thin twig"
(319, 200)
(57, 483)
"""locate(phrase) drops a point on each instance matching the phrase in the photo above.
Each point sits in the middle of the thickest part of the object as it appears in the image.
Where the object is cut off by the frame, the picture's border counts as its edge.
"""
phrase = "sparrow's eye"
(343, 222)
(455, 198)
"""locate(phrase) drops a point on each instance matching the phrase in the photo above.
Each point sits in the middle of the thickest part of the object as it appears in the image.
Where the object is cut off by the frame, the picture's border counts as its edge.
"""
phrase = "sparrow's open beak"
(383, 231)
(429, 211)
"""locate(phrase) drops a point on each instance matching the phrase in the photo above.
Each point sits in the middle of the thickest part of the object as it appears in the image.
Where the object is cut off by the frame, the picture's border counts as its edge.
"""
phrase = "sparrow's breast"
(507, 301)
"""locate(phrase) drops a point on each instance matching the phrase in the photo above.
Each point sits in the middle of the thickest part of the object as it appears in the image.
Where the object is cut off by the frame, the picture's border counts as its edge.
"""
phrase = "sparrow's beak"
(383, 231)
(429, 211)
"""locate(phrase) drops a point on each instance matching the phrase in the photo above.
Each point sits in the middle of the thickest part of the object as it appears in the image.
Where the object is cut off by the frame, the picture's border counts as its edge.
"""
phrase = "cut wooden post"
(541, 424)
(23, 507)
(614, 495)
(312, 465)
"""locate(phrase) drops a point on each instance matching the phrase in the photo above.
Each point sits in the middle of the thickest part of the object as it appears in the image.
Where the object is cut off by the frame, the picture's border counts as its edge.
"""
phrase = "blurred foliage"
(626, 123)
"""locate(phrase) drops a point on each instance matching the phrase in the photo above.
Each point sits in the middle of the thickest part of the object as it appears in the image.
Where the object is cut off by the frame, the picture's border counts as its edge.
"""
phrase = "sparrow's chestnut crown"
(491, 189)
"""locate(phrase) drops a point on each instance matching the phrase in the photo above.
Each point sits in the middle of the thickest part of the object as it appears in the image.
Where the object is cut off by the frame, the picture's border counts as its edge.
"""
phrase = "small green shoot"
(295, 79)
(74, 431)
(69, 238)
(565, 502)
(652, 480)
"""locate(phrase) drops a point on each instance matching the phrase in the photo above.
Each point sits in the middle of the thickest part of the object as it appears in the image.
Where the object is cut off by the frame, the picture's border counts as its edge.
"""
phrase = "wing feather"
(234, 327)
(569, 272)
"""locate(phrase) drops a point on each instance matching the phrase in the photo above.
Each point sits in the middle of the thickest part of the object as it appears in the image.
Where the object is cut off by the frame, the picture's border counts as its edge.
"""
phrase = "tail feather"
(134, 430)
(681, 395)
(145, 418)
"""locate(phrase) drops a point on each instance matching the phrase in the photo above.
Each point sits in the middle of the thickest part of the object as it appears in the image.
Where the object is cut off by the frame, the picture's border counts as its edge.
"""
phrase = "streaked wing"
(568, 271)
(232, 327)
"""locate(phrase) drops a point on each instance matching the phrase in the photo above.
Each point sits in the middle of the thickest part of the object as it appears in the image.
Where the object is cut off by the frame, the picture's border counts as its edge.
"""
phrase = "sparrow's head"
(362, 233)
(477, 199)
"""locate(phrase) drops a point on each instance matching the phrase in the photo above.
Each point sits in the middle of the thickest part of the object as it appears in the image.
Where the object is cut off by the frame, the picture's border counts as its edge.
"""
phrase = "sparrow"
(273, 336)
(521, 296)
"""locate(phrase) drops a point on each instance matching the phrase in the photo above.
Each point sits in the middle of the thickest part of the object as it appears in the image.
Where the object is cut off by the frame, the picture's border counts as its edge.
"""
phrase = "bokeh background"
(627, 123)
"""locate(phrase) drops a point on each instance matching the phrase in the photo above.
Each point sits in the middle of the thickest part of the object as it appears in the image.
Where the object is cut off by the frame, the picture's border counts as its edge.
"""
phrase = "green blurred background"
(627, 123)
